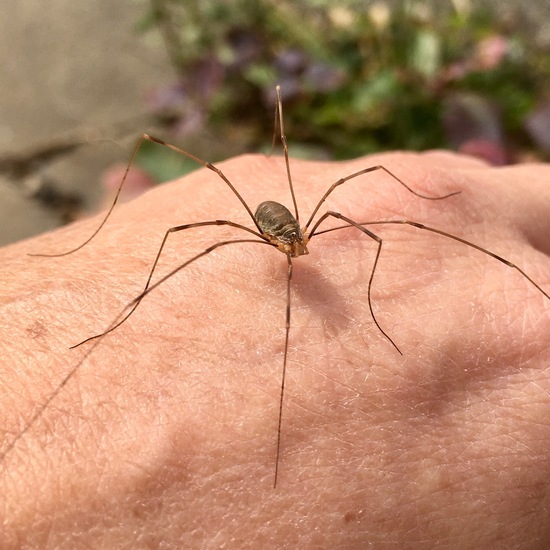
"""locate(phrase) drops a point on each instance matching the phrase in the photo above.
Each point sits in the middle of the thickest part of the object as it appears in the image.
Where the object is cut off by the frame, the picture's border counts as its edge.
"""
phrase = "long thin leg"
(279, 124)
(279, 109)
(379, 249)
(165, 238)
(283, 376)
(111, 208)
(341, 181)
(153, 139)
(210, 166)
(200, 255)
(89, 351)
(449, 236)
(275, 127)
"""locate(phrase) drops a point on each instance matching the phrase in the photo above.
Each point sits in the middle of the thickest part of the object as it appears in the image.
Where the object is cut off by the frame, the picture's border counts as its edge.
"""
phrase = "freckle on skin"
(352, 516)
(37, 330)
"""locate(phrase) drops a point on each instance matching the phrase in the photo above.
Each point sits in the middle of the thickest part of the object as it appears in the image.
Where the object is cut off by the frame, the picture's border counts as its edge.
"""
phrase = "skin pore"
(165, 436)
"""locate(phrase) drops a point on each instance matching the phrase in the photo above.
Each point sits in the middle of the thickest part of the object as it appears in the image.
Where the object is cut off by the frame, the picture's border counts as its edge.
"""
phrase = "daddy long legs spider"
(275, 226)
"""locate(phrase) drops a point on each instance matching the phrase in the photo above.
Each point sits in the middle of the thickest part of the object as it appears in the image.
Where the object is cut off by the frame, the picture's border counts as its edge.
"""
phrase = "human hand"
(166, 433)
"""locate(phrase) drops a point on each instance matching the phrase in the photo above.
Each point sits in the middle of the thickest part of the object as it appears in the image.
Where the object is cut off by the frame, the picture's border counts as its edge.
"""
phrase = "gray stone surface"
(70, 70)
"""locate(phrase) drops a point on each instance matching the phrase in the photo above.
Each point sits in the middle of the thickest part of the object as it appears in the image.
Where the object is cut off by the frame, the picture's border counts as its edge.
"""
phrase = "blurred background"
(82, 80)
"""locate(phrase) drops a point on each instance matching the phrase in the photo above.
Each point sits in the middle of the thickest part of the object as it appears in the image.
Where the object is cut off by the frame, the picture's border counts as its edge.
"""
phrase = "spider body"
(282, 228)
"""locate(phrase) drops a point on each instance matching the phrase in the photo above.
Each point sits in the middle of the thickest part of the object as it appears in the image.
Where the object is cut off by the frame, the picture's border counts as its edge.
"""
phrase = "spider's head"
(296, 245)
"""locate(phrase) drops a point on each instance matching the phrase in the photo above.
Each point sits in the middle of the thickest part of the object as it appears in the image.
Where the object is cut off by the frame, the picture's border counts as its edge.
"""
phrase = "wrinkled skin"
(165, 436)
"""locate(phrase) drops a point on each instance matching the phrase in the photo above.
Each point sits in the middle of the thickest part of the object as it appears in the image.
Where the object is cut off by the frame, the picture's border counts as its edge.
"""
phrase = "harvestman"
(275, 226)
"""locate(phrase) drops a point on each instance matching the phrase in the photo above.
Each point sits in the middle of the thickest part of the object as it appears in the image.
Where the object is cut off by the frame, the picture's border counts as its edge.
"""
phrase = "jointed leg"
(287, 331)
(379, 249)
(444, 234)
(141, 139)
(135, 303)
(341, 181)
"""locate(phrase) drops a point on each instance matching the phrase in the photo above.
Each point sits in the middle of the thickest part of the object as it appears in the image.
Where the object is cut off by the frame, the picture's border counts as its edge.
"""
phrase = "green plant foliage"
(356, 77)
